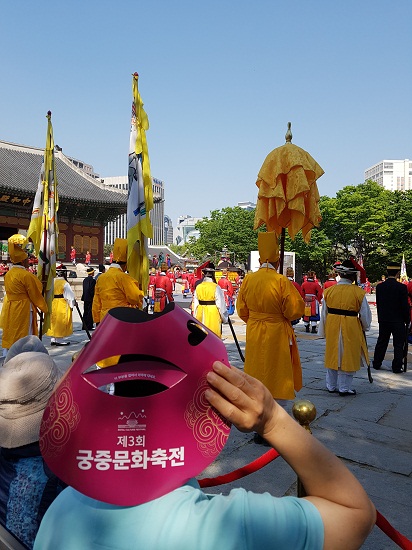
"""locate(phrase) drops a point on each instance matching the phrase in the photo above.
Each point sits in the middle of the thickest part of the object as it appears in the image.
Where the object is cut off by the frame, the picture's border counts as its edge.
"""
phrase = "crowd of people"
(271, 305)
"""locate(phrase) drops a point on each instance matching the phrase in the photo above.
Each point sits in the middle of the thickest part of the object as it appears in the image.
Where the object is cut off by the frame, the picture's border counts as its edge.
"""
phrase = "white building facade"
(118, 228)
(185, 228)
(394, 175)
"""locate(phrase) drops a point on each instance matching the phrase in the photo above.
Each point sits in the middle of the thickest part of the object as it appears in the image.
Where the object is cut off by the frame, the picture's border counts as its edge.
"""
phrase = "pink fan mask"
(130, 450)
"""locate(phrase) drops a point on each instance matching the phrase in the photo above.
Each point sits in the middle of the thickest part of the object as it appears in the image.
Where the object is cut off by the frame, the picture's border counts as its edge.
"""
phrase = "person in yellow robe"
(209, 306)
(61, 320)
(345, 316)
(267, 303)
(115, 288)
(23, 297)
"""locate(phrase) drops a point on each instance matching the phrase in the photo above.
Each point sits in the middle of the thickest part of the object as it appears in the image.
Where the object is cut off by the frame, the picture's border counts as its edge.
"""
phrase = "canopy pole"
(282, 250)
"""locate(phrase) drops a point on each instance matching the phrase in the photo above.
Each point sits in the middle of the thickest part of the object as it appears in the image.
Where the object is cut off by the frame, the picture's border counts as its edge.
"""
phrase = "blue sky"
(219, 79)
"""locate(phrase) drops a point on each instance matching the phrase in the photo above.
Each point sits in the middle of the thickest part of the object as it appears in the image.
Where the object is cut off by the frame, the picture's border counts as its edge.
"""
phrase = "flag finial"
(288, 135)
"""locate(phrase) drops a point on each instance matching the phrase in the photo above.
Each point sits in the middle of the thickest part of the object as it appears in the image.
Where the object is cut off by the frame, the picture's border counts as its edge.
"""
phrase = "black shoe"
(314, 331)
(333, 391)
(397, 371)
(345, 393)
(59, 343)
(375, 366)
(307, 328)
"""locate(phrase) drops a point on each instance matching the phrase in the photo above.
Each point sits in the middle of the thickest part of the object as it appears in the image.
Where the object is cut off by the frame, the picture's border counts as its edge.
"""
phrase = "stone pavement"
(371, 433)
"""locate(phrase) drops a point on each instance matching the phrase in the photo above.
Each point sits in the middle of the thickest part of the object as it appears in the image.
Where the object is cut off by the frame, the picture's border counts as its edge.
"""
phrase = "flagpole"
(43, 228)
(44, 278)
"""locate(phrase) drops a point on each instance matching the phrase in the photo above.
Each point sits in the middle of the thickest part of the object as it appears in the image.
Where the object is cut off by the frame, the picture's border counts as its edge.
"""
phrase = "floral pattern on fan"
(61, 417)
(209, 428)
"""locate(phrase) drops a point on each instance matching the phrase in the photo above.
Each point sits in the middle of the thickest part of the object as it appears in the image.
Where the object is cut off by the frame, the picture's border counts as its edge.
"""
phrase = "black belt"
(58, 296)
(207, 302)
(334, 311)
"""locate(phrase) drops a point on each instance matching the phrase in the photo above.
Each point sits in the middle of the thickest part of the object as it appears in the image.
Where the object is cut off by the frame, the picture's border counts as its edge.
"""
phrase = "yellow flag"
(140, 195)
(43, 228)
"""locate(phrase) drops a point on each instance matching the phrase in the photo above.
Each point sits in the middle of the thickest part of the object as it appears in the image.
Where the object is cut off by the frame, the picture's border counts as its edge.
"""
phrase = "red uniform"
(171, 276)
(329, 282)
(227, 287)
(312, 287)
(73, 255)
(163, 292)
(312, 294)
(88, 258)
(151, 286)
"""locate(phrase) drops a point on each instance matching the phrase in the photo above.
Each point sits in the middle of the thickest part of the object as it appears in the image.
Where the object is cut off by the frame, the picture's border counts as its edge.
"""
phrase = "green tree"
(318, 254)
(231, 228)
(178, 249)
(361, 224)
(400, 228)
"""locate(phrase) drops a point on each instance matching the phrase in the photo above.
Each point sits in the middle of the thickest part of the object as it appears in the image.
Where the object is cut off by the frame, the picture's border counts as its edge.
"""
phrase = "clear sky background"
(220, 80)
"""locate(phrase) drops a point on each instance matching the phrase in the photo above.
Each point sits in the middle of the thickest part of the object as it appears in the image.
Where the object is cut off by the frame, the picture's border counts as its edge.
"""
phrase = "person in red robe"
(312, 294)
(163, 293)
(290, 274)
(73, 255)
(171, 276)
(227, 288)
(151, 286)
(330, 281)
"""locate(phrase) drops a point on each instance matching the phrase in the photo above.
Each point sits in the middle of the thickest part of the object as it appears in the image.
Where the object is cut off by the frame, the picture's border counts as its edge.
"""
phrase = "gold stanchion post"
(304, 412)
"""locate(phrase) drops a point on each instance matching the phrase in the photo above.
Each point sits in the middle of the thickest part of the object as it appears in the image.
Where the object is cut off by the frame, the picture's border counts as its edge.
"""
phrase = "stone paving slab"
(364, 451)
(367, 431)
(400, 417)
(373, 406)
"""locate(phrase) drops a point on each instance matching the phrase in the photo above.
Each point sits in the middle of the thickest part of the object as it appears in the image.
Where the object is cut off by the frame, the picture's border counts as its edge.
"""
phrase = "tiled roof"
(20, 169)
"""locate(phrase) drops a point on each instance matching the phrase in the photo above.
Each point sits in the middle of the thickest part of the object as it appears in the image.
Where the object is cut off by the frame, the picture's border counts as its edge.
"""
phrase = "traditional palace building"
(85, 204)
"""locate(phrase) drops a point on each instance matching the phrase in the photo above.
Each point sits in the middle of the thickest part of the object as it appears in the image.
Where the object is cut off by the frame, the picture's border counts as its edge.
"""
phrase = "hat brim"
(17, 432)
(17, 429)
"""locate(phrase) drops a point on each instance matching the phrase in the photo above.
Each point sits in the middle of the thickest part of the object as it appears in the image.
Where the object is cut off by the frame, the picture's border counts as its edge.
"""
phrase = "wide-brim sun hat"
(28, 343)
(27, 381)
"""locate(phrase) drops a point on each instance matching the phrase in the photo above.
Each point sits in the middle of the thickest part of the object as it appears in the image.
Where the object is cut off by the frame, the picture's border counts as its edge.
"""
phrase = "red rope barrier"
(268, 457)
(392, 533)
(240, 472)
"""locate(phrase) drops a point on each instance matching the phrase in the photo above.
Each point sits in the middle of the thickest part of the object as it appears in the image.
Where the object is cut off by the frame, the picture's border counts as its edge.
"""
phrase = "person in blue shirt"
(27, 486)
(187, 518)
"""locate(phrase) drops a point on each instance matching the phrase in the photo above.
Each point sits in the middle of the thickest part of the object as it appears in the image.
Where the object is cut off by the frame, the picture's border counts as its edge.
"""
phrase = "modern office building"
(118, 227)
(394, 175)
(168, 230)
(185, 228)
(247, 205)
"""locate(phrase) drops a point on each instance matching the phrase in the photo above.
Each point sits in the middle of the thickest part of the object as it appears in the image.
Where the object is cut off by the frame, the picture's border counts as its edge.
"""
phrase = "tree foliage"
(364, 220)
(231, 228)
